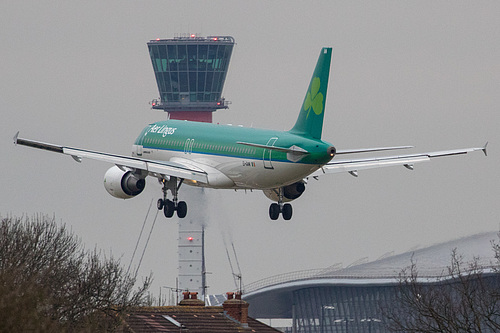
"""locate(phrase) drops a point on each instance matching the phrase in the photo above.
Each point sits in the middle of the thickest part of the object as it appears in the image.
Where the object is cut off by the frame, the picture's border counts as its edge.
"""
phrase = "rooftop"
(191, 38)
(431, 262)
(193, 319)
(192, 315)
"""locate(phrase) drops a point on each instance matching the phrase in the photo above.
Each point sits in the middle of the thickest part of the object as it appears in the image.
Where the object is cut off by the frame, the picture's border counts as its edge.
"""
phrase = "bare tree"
(464, 299)
(49, 282)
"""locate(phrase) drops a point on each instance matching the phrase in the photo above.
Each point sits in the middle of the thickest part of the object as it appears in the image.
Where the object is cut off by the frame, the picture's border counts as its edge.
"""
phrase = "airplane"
(279, 163)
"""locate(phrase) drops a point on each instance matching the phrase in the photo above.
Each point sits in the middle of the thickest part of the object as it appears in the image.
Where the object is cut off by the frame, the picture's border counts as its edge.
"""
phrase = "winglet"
(15, 138)
(484, 149)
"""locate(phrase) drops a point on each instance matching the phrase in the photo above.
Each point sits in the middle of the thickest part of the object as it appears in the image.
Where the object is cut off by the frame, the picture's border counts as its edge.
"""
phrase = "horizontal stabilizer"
(369, 150)
(292, 149)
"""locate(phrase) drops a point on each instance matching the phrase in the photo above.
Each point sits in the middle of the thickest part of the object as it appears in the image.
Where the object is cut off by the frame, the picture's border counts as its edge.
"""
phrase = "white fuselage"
(235, 172)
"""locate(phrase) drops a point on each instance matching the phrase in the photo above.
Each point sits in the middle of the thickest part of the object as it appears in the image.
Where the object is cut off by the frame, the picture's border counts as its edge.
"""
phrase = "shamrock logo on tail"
(314, 98)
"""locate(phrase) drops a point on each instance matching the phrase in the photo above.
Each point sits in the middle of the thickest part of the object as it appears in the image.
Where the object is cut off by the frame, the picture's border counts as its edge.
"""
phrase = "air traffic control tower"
(190, 73)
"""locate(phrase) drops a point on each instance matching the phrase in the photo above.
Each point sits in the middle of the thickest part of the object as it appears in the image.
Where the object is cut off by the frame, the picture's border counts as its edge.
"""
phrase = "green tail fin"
(310, 120)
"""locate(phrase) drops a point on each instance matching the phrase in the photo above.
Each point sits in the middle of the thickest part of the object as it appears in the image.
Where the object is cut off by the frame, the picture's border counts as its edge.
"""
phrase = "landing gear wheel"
(181, 209)
(287, 211)
(274, 211)
(168, 209)
(159, 204)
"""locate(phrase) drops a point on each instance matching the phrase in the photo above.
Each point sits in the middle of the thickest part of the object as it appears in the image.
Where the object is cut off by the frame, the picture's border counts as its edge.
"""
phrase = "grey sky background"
(423, 73)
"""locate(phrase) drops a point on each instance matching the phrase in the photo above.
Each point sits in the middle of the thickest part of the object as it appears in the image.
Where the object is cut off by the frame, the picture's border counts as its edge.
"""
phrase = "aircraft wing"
(154, 168)
(352, 166)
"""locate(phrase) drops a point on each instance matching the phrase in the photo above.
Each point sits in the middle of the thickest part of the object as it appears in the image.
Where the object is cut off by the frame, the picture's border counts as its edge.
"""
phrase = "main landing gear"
(170, 206)
(276, 208)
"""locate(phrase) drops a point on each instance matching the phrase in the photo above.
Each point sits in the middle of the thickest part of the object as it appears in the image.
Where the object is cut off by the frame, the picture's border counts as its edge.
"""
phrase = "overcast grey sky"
(423, 73)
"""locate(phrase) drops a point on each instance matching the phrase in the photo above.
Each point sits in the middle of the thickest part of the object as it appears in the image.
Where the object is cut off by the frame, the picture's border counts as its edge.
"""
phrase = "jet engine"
(123, 184)
(290, 192)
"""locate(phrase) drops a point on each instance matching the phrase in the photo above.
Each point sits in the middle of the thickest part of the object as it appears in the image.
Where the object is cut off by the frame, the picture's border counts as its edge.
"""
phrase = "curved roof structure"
(272, 297)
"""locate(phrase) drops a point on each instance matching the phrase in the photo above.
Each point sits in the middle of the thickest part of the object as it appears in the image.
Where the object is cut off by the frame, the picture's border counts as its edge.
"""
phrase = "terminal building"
(190, 73)
(350, 299)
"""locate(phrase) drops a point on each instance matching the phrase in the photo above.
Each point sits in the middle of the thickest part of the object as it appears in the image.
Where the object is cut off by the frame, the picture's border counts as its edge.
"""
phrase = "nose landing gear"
(170, 206)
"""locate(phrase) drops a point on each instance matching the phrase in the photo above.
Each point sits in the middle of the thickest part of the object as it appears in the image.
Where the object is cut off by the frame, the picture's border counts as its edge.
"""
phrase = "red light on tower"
(193, 35)
(190, 238)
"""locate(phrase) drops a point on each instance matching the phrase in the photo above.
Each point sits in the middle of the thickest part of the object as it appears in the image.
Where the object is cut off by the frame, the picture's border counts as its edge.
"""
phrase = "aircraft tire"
(159, 204)
(274, 211)
(168, 209)
(182, 209)
(287, 211)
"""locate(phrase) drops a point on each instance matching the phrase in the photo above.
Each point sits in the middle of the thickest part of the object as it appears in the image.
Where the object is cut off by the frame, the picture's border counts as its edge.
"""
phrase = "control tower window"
(182, 57)
(172, 59)
(174, 76)
(197, 70)
(192, 57)
(202, 57)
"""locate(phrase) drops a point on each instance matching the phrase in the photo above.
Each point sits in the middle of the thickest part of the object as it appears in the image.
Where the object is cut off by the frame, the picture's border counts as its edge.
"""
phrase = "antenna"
(232, 269)
(175, 290)
(236, 276)
(203, 267)
(239, 276)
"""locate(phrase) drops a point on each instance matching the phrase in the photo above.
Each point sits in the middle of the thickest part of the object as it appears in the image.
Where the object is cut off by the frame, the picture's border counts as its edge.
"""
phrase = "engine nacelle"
(123, 184)
(290, 192)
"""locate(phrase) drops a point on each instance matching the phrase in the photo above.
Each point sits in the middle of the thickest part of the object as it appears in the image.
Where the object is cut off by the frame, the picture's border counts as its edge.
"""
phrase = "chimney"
(191, 299)
(236, 308)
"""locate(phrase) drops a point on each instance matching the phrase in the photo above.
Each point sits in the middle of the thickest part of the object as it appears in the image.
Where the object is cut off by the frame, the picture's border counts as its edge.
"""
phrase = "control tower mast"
(190, 74)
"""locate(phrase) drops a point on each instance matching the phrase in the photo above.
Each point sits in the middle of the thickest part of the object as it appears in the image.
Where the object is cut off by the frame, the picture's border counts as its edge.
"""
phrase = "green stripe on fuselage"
(221, 140)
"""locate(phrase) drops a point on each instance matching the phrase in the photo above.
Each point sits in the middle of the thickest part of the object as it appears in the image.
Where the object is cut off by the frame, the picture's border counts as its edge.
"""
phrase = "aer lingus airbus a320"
(233, 157)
